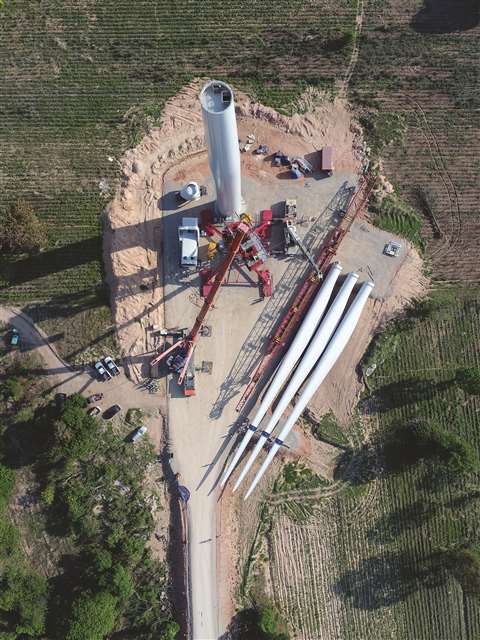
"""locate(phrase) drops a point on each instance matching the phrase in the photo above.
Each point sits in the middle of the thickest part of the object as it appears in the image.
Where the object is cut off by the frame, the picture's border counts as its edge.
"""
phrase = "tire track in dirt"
(438, 159)
(355, 51)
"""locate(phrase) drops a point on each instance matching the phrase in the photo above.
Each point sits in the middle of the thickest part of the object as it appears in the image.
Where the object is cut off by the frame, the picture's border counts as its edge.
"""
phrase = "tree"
(93, 616)
(171, 631)
(464, 564)
(12, 389)
(468, 379)
(23, 596)
(7, 482)
(21, 230)
(407, 444)
(271, 625)
(121, 582)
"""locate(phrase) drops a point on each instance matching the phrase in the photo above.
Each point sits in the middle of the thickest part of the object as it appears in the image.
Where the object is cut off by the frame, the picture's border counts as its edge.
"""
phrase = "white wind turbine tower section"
(218, 110)
(302, 338)
(330, 356)
(312, 354)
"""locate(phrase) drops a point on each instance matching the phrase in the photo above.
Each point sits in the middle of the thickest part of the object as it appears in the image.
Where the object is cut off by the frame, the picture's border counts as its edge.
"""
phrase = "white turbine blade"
(332, 353)
(262, 470)
(306, 364)
(302, 337)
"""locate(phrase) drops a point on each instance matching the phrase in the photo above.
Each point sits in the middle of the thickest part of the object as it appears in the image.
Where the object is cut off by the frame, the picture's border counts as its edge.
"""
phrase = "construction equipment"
(261, 150)
(187, 344)
(175, 363)
(251, 249)
(291, 208)
(292, 239)
(308, 288)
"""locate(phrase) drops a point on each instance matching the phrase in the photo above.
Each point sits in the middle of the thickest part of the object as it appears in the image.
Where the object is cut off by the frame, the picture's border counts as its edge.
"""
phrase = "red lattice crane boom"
(189, 342)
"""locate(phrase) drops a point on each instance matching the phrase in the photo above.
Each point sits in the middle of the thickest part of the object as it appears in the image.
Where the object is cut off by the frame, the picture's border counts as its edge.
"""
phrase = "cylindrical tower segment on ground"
(218, 110)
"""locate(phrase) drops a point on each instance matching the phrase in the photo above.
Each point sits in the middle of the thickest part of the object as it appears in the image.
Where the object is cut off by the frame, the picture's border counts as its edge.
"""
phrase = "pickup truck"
(189, 236)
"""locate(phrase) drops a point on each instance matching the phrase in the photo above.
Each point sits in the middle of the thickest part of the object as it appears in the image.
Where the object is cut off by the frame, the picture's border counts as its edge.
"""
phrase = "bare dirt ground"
(138, 230)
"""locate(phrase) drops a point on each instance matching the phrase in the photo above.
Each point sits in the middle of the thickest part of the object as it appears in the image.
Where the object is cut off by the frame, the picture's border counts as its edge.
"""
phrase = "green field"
(356, 558)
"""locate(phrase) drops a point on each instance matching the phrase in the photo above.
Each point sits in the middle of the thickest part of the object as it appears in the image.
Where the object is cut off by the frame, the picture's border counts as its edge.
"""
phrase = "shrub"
(93, 616)
(407, 444)
(171, 631)
(271, 624)
(12, 389)
(468, 379)
(7, 482)
(464, 564)
(339, 42)
(24, 598)
(396, 216)
(21, 230)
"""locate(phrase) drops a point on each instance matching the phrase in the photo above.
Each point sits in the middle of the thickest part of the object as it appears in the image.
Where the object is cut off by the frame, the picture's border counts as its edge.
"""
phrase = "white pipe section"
(302, 338)
(219, 119)
(312, 354)
(332, 353)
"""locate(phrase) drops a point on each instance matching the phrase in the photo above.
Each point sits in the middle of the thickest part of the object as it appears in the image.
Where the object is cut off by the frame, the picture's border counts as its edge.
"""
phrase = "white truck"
(189, 236)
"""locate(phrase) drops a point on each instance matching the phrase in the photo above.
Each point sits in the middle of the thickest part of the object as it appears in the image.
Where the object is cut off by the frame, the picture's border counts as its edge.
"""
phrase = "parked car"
(111, 366)
(94, 411)
(103, 374)
(60, 399)
(138, 433)
(392, 249)
(96, 397)
(112, 411)
(14, 338)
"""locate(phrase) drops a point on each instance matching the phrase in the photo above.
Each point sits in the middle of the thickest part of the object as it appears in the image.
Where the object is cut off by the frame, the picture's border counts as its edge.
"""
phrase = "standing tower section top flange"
(218, 110)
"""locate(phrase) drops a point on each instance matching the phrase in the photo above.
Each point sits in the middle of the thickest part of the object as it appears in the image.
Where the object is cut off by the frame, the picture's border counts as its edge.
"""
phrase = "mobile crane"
(186, 345)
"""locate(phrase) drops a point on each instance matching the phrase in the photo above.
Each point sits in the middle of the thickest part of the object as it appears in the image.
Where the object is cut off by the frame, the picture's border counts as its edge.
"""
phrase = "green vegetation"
(327, 429)
(90, 488)
(20, 230)
(296, 476)
(468, 379)
(407, 444)
(382, 129)
(135, 417)
(93, 616)
(396, 216)
(465, 566)
(271, 625)
(23, 592)
(259, 622)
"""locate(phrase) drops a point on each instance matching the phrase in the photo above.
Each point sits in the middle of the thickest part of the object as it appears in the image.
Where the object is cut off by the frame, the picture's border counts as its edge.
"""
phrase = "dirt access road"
(64, 379)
